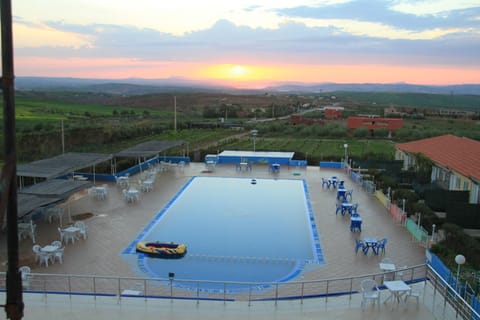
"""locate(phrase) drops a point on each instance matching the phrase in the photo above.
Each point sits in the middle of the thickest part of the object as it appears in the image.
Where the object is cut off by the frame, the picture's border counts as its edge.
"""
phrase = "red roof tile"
(457, 153)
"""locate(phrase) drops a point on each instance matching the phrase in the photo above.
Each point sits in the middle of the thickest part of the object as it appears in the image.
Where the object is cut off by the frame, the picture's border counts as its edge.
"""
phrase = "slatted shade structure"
(56, 188)
(148, 149)
(48, 192)
(28, 203)
(60, 165)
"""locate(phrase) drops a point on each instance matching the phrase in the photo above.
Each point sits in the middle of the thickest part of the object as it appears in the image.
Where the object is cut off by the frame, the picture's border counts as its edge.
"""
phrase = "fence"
(172, 288)
(441, 293)
(134, 169)
(421, 235)
(454, 287)
(398, 215)
(417, 231)
(383, 199)
(331, 164)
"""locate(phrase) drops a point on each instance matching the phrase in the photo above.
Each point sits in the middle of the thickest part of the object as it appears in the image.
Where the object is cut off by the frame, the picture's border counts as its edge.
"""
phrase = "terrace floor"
(114, 224)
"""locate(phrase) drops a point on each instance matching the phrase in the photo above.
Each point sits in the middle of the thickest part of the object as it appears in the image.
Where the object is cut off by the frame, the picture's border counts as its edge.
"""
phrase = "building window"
(457, 183)
(465, 185)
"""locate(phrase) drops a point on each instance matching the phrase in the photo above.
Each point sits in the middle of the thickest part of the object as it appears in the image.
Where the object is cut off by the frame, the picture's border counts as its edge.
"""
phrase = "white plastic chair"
(41, 257)
(56, 243)
(414, 293)
(28, 232)
(26, 275)
(387, 260)
(146, 185)
(401, 273)
(181, 166)
(325, 183)
(370, 292)
(83, 228)
(62, 234)
(54, 213)
(36, 251)
(58, 255)
(388, 276)
(105, 186)
(127, 196)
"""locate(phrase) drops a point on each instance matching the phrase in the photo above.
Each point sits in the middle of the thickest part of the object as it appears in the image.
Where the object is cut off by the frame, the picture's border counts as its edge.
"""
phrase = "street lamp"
(346, 156)
(254, 133)
(171, 275)
(459, 259)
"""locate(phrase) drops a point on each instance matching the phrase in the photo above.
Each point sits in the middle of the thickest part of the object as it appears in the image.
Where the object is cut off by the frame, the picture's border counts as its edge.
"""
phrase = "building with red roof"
(374, 122)
(456, 161)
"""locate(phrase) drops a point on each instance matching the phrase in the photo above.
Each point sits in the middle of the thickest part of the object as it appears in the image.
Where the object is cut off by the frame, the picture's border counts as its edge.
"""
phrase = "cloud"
(312, 36)
(385, 12)
(291, 42)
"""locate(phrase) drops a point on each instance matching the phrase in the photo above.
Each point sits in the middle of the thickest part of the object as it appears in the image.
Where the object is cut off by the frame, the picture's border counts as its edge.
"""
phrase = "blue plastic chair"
(325, 183)
(339, 209)
(348, 194)
(356, 226)
(359, 245)
(381, 245)
(354, 208)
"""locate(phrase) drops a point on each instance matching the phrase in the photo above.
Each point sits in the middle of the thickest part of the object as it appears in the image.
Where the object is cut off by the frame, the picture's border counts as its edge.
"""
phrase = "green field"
(415, 100)
(97, 123)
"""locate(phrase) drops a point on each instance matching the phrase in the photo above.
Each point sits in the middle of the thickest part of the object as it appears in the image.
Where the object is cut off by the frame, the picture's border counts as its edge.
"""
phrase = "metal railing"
(172, 288)
(451, 298)
(454, 305)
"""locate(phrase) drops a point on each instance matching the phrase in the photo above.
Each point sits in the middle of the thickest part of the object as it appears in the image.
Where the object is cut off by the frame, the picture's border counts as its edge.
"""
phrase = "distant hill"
(472, 89)
(151, 86)
(126, 87)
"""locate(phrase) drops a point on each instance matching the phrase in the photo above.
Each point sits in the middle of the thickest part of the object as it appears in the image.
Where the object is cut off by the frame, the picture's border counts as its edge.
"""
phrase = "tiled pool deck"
(115, 223)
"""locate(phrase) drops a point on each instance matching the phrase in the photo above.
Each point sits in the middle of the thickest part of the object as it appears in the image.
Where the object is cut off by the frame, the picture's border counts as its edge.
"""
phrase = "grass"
(413, 100)
(319, 149)
(142, 122)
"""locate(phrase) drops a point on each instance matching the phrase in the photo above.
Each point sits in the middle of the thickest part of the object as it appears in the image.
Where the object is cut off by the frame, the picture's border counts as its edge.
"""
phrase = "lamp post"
(254, 133)
(345, 146)
(459, 259)
(171, 275)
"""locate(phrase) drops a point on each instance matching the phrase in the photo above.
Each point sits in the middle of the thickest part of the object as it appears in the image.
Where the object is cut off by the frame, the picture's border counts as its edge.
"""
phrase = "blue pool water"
(234, 231)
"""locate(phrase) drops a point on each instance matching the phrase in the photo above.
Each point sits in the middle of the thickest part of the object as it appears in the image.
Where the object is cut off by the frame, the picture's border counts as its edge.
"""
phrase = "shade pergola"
(48, 192)
(28, 203)
(148, 149)
(56, 188)
(60, 165)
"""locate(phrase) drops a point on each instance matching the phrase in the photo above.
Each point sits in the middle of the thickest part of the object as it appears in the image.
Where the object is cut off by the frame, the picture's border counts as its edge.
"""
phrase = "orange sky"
(246, 75)
(251, 43)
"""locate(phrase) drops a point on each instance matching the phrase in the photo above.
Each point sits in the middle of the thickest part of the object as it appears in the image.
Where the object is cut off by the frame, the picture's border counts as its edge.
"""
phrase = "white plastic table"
(387, 266)
(70, 233)
(49, 249)
(397, 289)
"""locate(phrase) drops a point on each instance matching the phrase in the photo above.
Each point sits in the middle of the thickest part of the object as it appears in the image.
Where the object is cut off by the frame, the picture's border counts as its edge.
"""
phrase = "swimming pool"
(235, 230)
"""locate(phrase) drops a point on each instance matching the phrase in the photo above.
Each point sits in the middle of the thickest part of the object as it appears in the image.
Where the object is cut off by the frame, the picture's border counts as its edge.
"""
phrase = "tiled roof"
(457, 153)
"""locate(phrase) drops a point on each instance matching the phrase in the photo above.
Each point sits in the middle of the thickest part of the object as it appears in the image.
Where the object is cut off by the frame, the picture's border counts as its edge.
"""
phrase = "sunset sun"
(237, 71)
